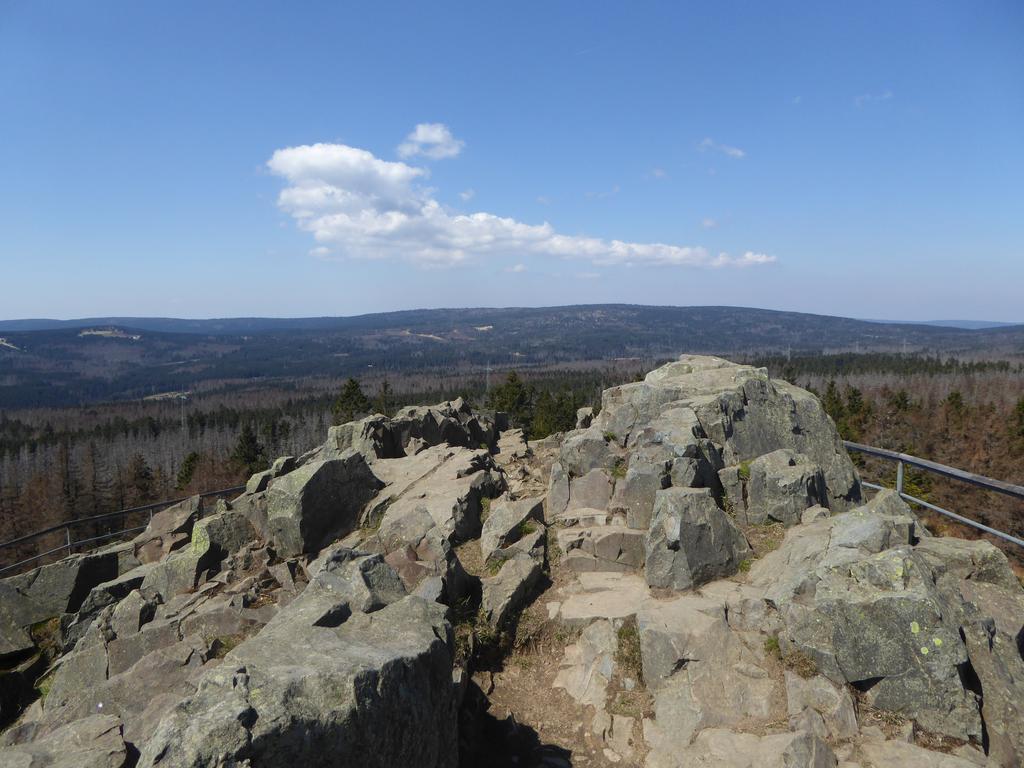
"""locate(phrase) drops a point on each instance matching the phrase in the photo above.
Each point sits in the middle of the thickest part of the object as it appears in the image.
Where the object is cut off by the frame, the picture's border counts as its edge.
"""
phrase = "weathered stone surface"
(92, 742)
(102, 595)
(509, 521)
(691, 540)
(834, 705)
(512, 446)
(602, 548)
(992, 624)
(317, 503)
(169, 529)
(51, 590)
(558, 492)
(739, 412)
(378, 437)
(588, 664)
(449, 493)
(259, 482)
(584, 451)
(635, 492)
(700, 671)
(584, 417)
(782, 485)
(505, 594)
(877, 622)
(904, 755)
(593, 490)
(324, 683)
(719, 748)
(178, 573)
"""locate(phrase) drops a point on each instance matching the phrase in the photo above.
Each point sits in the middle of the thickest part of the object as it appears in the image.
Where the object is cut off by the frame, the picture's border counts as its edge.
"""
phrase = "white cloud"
(356, 205)
(867, 98)
(467, 194)
(432, 140)
(588, 275)
(604, 194)
(658, 173)
(734, 152)
(516, 269)
(543, 200)
(709, 223)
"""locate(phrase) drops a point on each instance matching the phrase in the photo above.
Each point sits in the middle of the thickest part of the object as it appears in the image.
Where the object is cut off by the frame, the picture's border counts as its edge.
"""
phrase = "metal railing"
(980, 481)
(70, 543)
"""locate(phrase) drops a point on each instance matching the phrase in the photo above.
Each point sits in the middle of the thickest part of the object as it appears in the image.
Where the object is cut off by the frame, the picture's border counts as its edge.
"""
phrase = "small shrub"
(627, 651)
(745, 565)
(527, 527)
(744, 471)
(771, 647)
(485, 508)
(611, 437)
(619, 468)
(801, 663)
(223, 645)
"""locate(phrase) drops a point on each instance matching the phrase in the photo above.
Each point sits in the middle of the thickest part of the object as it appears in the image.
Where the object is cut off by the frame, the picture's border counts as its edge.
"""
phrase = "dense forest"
(59, 464)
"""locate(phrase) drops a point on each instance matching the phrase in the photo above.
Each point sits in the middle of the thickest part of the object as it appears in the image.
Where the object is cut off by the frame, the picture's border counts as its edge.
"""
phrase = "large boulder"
(782, 485)
(169, 529)
(722, 414)
(508, 522)
(868, 607)
(325, 683)
(318, 503)
(93, 742)
(691, 540)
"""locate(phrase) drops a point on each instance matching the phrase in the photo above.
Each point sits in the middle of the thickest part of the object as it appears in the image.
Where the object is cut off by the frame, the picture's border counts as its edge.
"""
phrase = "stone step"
(604, 548)
(583, 516)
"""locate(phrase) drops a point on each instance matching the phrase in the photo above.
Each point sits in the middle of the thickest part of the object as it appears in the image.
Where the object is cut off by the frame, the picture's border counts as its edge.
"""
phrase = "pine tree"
(351, 403)
(248, 453)
(141, 485)
(187, 470)
(383, 403)
(514, 398)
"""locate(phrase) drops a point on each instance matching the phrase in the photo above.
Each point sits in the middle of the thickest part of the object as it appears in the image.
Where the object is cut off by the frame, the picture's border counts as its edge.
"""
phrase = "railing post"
(67, 534)
(899, 477)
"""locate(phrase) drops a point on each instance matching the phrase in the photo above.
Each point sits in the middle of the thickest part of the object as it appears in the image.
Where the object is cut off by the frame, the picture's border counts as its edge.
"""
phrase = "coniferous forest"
(60, 464)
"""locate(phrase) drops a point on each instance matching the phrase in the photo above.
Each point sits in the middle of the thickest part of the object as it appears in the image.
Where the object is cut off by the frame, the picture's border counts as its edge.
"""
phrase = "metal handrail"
(901, 459)
(69, 545)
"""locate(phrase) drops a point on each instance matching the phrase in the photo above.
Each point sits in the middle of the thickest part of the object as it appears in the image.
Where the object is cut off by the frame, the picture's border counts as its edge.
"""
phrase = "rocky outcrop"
(326, 681)
(310, 620)
(691, 541)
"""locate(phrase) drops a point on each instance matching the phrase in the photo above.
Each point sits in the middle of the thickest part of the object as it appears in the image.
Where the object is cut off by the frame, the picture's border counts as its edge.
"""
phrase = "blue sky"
(209, 159)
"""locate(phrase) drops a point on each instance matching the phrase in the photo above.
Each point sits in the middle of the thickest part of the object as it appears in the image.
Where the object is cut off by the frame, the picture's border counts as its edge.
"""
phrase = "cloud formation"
(432, 140)
(867, 98)
(358, 206)
(711, 145)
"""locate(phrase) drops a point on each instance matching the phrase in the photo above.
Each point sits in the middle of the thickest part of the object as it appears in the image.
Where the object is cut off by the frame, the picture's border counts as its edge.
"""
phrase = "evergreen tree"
(384, 402)
(351, 403)
(187, 470)
(248, 454)
(553, 413)
(141, 485)
(514, 398)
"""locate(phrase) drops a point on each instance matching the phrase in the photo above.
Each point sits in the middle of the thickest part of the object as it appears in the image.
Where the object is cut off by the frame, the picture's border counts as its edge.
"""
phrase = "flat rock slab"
(604, 596)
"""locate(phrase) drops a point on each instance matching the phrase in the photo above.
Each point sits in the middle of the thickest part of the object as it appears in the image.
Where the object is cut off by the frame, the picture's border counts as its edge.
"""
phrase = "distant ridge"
(247, 325)
(970, 325)
(69, 362)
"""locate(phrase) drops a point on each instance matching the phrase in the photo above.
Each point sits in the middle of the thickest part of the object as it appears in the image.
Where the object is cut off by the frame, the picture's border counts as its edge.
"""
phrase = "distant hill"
(51, 362)
(967, 324)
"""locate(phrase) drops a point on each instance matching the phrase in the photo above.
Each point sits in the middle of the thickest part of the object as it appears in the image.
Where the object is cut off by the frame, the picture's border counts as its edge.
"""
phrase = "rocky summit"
(693, 577)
